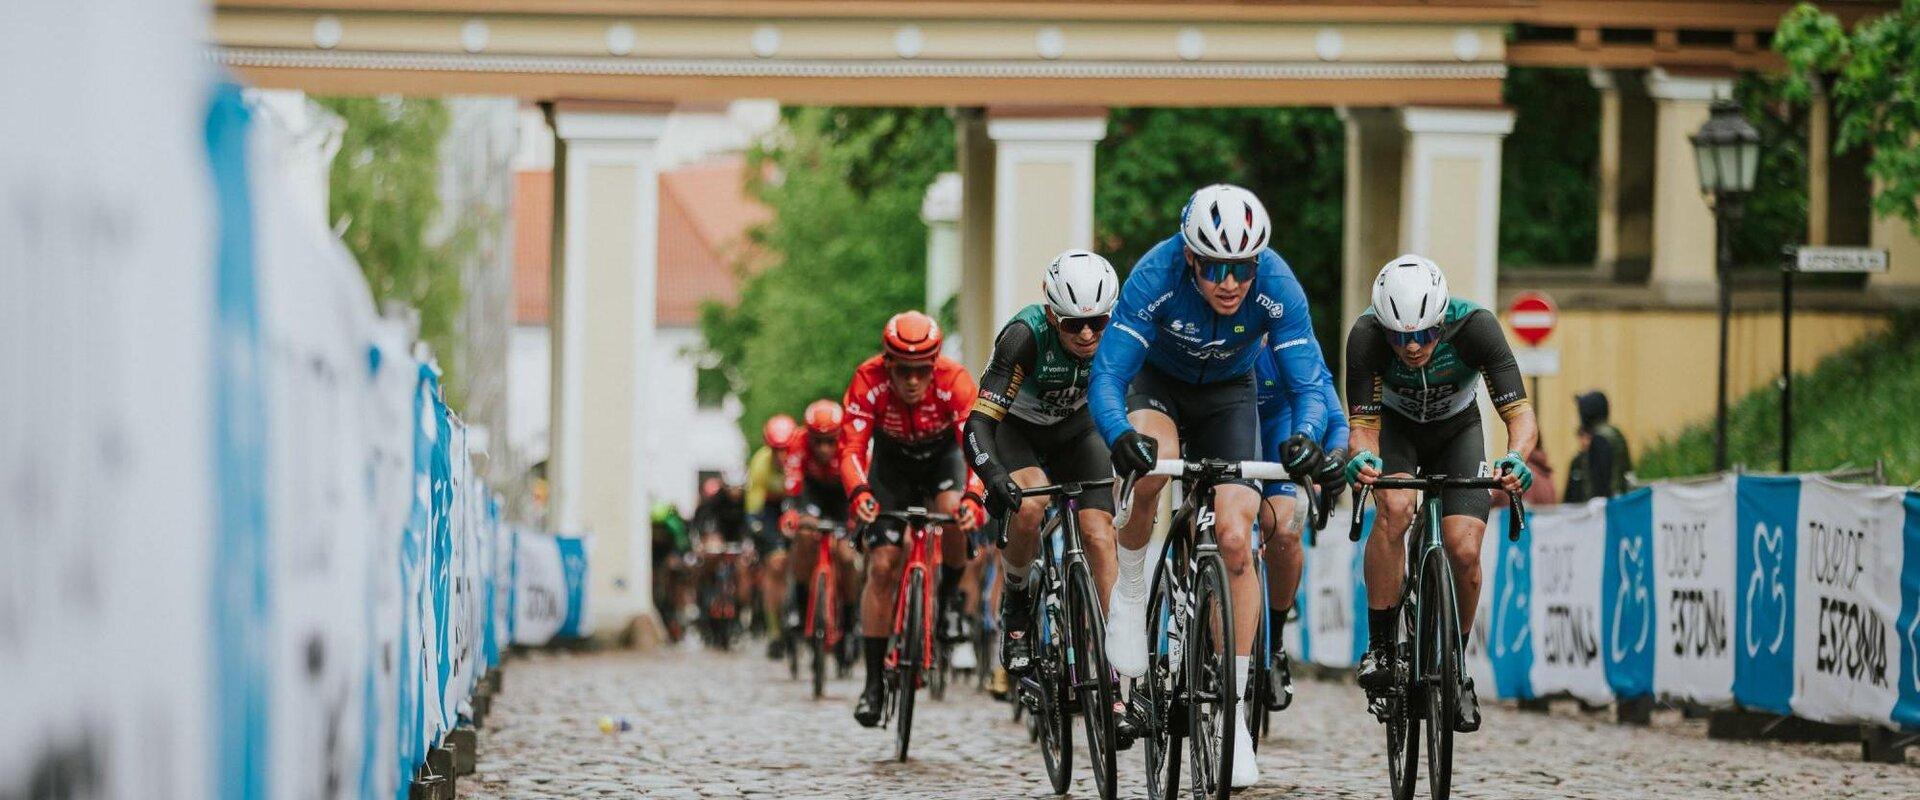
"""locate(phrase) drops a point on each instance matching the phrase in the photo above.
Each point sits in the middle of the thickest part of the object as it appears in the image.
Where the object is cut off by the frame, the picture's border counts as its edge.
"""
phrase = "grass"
(1856, 406)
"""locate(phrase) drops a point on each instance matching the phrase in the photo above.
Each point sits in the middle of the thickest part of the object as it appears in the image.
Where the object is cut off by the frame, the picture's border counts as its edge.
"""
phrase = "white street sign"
(1840, 259)
(1537, 360)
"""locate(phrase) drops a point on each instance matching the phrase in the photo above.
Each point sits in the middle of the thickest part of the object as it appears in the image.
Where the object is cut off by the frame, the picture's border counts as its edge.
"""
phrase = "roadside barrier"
(1791, 595)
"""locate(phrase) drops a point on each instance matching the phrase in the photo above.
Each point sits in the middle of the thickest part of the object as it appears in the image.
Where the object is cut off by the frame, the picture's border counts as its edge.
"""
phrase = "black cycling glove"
(1134, 453)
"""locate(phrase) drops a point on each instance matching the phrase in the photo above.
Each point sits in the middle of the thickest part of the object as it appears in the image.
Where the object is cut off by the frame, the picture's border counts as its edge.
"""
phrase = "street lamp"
(1726, 152)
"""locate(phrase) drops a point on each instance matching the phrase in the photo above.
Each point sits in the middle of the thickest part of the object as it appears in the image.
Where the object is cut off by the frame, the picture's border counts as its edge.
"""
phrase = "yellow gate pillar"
(1450, 193)
(974, 162)
(607, 204)
(1683, 246)
(1042, 197)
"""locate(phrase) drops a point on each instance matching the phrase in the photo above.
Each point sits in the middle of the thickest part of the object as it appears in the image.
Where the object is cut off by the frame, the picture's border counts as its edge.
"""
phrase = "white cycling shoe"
(963, 657)
(1245, 772)
(1127, 632)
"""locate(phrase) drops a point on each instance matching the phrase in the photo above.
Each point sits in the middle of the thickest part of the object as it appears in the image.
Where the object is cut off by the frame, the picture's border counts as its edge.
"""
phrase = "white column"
(603, 329)
(940, 210)
(1683, 246)
(1043, 196)
(1450, 194)
(974, 161)
(1371, 235)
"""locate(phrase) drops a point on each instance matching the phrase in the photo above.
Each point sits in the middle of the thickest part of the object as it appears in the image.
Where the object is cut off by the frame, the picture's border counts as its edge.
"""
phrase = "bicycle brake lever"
(1516, 516)
(1359, 510)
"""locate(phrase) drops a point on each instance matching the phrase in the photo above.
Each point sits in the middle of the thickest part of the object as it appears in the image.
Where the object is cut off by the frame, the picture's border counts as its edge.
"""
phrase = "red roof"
(705, 213)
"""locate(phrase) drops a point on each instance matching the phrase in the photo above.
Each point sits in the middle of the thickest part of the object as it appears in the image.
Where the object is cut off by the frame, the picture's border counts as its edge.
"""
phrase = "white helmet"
(1079, 283)
(1410, 294)
(1225, 223)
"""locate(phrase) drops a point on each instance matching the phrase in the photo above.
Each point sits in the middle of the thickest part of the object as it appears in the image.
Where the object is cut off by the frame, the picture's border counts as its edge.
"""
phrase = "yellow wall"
(1658, 367)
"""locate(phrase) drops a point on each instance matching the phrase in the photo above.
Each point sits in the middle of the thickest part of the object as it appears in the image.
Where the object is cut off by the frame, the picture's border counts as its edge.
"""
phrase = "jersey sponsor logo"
(1291, 343)
(1273, 307)
(980, 460)
(859, 424)
(1147, 313)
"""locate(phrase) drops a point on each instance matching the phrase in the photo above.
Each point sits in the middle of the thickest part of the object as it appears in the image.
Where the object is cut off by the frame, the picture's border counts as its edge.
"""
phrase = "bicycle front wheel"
(1092, 678)
(1051, 673)
(822, 602)
(1440, 648)
(909, 649)
(1164, 720)
(1211, 695)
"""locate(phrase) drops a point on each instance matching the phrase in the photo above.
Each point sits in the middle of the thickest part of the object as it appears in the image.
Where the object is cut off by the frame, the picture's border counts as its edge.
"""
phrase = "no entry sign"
(1533, 316)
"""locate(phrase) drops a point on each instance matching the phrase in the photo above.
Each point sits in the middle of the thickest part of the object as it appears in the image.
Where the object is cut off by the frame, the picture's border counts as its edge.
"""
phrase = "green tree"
(845, 249)
(1548, 206)
(1870, 75)
(1293, 159)
(384, 200)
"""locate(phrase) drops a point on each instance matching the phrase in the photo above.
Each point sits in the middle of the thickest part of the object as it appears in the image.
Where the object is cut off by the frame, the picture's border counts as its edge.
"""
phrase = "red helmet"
(778, 430)
(823, 417)
(911, 336)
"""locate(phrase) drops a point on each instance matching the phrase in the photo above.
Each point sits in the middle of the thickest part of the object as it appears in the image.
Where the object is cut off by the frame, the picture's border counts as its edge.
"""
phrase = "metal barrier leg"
(1634, 711)
(1881, 746)
(1538, 705)
(464, 743)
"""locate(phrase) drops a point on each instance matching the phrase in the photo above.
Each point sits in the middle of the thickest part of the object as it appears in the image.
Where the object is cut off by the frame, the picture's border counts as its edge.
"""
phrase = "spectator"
(1542, 493)
(1603, 464)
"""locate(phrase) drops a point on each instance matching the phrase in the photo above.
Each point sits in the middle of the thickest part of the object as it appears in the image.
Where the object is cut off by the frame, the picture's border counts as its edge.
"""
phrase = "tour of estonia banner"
(1786, 594)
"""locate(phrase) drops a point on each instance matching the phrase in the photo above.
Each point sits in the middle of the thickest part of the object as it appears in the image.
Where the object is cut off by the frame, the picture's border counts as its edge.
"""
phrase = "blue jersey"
(1276, 410)
(1162, 319)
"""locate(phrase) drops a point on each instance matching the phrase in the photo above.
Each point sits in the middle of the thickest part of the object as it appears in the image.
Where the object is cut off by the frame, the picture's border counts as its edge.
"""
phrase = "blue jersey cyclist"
(1176, 375)
(1279, 525)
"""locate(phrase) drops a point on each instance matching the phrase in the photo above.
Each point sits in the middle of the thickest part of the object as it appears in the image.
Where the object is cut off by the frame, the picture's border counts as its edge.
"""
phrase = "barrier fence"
(246, 552)
(1786, 594)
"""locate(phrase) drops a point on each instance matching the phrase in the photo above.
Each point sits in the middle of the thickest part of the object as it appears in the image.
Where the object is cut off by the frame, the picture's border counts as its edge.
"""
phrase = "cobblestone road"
(711, 725)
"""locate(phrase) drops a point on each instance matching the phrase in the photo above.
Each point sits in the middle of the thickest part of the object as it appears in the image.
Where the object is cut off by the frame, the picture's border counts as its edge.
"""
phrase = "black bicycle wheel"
(819, 637)
(1403, 722)
(1211, 694)
(907, 669)
(1051, 676)
(939, 670)
(1259, 688)
(1092, 678)
(1161, 684)
(1441, 646)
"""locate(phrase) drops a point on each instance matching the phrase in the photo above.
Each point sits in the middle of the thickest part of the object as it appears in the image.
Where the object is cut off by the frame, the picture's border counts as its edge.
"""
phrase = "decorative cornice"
(863, 68)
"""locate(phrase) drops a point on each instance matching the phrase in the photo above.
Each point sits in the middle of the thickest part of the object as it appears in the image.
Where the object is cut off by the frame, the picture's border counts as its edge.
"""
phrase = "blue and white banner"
(1789, 594)
(550, 588)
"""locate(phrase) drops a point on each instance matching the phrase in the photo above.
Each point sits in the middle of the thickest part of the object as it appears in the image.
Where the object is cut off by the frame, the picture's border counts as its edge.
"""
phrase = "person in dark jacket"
(1602, 467)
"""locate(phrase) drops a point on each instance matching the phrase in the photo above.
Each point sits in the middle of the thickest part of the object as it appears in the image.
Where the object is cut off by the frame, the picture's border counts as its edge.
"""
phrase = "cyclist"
(766, 487)
(1031, 427)
(1415, 361)
(1191, 317)
(909, 404)
(1279, 524)
(812, 466)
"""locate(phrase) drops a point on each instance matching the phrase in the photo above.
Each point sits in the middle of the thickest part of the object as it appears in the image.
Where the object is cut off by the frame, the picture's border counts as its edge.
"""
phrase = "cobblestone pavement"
(734, 725)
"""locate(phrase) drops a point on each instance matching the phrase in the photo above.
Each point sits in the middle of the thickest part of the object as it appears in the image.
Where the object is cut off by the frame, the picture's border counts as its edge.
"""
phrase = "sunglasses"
(1219, 271)
(1072, 326)
(907, 369)
(1423, 337)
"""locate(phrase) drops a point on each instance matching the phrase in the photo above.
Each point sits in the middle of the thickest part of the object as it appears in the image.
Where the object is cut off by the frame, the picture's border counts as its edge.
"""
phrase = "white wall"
(684, 439)
(529, 393)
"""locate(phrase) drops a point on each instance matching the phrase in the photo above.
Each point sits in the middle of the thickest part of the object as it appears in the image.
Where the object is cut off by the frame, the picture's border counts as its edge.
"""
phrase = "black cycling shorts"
(822, 498)
(1215, 420)
(900, 478)
(1453, 447)
(1069, 450)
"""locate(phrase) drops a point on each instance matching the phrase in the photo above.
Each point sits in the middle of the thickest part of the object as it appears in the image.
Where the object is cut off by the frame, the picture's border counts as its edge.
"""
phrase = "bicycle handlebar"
(1204, 469)
(915, 515)
(1070, 489)
(1516, 516)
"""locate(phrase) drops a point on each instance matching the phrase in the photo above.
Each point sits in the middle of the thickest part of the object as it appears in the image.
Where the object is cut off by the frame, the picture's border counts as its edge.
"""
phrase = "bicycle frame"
(823, 568)
(921, 540)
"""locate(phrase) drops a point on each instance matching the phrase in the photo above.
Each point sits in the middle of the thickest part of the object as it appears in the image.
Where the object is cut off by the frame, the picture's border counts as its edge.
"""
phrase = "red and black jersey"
(800, 465)
(872, 408)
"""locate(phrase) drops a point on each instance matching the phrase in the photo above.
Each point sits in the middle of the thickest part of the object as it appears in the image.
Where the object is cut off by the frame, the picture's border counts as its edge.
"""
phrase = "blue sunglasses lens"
(1421, 337)
(1217, 271)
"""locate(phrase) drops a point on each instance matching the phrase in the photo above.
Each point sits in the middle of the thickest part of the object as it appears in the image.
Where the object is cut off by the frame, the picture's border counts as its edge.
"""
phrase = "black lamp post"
(1727, 153)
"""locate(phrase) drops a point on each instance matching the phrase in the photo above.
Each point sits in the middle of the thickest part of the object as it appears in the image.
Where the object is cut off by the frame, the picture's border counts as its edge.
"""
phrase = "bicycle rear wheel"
(907, 666)
(1403, 723)
(1211, 694)
(1092, 678)
(1051, 674)
(1165, 722)
(1259, 688)
(1440, 645)
(822, 603)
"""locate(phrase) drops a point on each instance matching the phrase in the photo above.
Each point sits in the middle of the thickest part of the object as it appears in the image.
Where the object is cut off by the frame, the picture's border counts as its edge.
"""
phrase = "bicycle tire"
(907, 666)
(1403, 724)
(1161, 684)
(1211, 694)
(1443, 700)
(821, 603)
(1092, 679)
(1258, 690)
(1055, 722)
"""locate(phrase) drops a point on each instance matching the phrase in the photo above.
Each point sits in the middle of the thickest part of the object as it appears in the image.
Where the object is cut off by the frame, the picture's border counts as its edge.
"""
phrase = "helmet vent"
(1423, 306)
(1070, 295)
